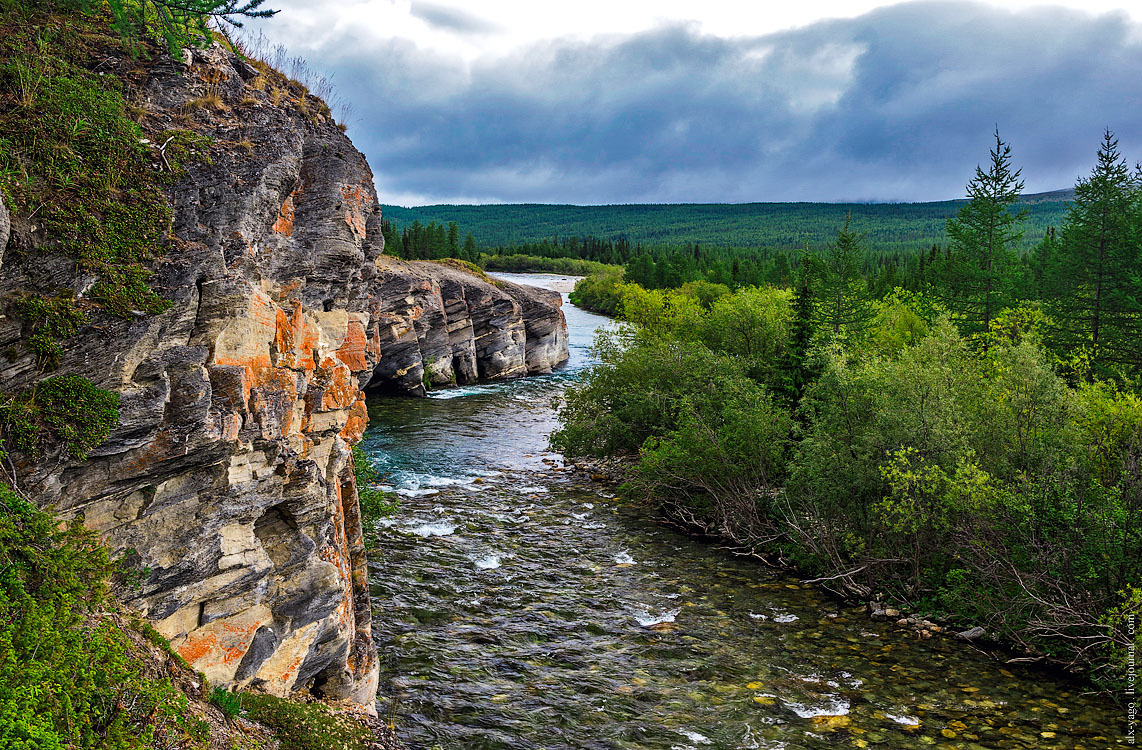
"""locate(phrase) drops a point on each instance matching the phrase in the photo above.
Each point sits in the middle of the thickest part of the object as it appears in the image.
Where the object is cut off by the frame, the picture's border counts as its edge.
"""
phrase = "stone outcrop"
(229, 479)
(439, 324)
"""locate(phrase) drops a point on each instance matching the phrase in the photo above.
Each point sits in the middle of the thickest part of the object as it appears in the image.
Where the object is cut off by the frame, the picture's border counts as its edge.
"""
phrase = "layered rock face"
(229, 479)
(439, 324)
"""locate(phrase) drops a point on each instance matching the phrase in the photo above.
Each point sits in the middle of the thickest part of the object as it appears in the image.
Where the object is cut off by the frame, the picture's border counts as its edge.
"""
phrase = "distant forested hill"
(888, 227)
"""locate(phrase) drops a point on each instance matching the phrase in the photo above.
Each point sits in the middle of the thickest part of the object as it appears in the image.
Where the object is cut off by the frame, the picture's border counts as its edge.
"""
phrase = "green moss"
(305, 726)
(183, 147)
(229, 703)
(67, 410)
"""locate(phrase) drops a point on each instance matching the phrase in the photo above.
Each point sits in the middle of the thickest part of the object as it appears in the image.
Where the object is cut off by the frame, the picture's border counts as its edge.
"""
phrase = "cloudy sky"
(624, 101)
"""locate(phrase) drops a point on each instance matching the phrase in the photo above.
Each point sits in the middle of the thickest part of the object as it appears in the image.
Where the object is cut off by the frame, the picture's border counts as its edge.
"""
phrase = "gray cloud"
(898, 104)
(451, 19)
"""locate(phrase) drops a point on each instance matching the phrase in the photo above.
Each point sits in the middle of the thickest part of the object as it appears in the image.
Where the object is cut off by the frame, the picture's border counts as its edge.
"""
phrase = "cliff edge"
(227, 479)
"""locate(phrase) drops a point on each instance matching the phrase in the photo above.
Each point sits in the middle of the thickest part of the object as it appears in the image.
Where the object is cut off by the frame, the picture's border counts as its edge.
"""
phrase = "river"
(518, 607)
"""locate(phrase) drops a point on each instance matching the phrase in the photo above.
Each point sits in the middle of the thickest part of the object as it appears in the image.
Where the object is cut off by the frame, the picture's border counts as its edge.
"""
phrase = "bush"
(229, 703)
(600, 292)
(67, 410)
(375, 503)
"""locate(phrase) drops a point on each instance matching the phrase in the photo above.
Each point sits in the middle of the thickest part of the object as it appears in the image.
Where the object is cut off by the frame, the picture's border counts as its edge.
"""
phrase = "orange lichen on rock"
(295, 339)
(358, 203)
(284, 223)
(356, 422)
(353, 349)
(218, 647)
(341, 387)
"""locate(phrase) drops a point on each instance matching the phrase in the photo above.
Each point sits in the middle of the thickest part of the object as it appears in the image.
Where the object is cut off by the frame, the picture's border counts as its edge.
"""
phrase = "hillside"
(888, 226)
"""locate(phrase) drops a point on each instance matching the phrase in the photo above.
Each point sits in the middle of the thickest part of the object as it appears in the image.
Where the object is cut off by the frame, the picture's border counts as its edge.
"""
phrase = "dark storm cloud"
(898, 104)
(450, 19)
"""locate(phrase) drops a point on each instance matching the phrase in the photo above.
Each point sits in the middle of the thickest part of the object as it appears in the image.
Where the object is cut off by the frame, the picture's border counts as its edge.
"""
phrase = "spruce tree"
(980, 270)
(179, 23)
(842, 307)
(796, 371)
(1092, 280)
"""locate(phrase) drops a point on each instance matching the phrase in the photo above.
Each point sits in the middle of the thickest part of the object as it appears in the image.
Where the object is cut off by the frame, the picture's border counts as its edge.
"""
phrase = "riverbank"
(524, 606)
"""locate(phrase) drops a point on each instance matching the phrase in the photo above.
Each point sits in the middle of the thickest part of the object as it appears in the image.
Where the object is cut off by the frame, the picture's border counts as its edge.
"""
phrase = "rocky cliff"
(228, 478)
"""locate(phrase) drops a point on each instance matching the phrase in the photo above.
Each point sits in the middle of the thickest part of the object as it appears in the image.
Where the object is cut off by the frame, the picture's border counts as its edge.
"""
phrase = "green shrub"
(374, 503)
(50, 320)
(600, 292)
(67, 410)
(75, 159)
(69, 679)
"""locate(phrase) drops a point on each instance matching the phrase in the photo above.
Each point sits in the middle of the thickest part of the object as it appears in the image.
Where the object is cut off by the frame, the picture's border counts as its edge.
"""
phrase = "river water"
(518, 607)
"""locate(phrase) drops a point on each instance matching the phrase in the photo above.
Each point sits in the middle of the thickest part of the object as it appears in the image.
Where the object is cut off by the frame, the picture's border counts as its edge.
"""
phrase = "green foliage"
(600, 292)
(639, 391)
(177, 23)
(48, 320)
(842, 301)
(305, 726)
(67, 410)
(1091, 279)
(229, 703)
(717, 469)
(904, 228)
(181, 148)
(375, 503)
(67, 679)
(520, 263)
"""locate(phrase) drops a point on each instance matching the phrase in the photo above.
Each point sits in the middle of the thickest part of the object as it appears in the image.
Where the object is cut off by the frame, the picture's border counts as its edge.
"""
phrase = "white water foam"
(431, 528)
(834, 707)
(489, 561)
(756, 616)
(646, 619)
(622, 558)
(903, 719)
(695, 737)
(785, 617)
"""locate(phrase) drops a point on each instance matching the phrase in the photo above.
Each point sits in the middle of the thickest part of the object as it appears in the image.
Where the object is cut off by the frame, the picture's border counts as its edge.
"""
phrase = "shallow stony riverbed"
(515, 607)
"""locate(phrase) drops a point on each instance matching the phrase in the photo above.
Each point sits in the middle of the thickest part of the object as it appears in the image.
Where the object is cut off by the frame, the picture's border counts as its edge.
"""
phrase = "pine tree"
(453, 239)
(1093, 280)
(979, 272)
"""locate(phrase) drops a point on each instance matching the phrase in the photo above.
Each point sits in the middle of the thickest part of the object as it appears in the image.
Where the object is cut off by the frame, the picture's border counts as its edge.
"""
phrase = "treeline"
(907, 228)
(971, 449)
(571, 255)
(430, 241)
